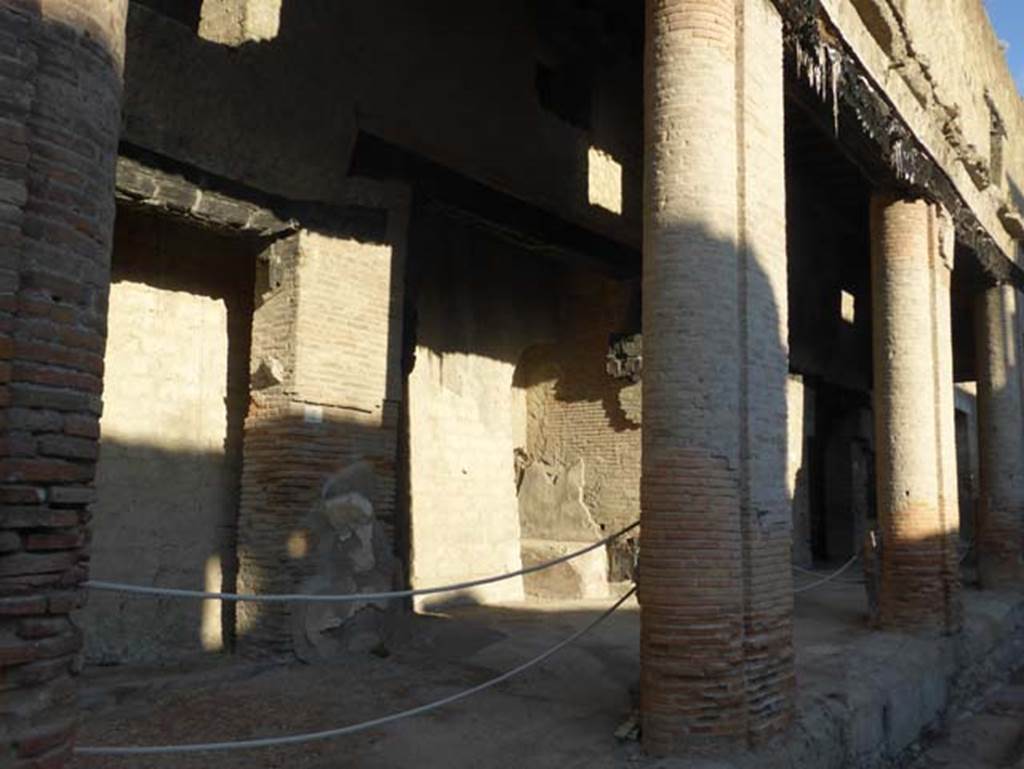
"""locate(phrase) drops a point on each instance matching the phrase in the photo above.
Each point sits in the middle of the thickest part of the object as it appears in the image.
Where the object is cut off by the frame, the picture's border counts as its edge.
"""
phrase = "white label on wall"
(314, 414)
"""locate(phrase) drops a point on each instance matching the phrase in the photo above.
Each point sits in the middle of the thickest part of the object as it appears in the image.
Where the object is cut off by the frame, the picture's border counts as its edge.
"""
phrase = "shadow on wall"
(510, 79)
(318, 500)
(176, 390)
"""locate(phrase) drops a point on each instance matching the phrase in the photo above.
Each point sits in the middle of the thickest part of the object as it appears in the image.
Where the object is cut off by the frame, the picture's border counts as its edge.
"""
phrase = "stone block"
(585, 576)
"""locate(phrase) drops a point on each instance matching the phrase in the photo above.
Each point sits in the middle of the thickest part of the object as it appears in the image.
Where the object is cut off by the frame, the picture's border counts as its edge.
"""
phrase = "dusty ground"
(989, 734)
(562, 714)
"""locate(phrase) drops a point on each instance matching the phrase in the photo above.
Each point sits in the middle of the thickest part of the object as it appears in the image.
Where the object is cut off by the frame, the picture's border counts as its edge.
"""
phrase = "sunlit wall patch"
(604, 180)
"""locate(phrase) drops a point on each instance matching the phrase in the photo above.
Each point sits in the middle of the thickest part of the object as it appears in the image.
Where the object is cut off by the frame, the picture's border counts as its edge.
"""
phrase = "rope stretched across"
(830, 577)
(967, 552)
(292, 739)
(120, 587)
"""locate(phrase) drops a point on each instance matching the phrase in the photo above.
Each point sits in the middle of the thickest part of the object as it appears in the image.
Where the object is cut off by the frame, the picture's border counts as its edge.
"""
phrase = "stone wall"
(176, 373)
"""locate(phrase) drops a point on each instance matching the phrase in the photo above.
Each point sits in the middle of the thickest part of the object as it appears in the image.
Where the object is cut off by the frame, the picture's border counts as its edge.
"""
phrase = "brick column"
(911, 264)
(60, 91)
(715, 580)
(1000, 436)
(318, 477)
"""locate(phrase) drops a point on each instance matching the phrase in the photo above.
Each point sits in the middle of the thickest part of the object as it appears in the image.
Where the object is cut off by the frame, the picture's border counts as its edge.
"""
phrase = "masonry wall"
(59, 105)
(265, 114)
(319, 470)
(941, 64)
(176, 368)
(578, 413)
(480, 302)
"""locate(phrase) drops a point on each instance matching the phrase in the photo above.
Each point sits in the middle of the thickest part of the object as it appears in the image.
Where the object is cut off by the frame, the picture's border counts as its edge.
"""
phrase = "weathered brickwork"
(1000, 436)
(911, 262)
(60, 85)
(576, 411)
(321, 363)
(942, 67)
(715, 584)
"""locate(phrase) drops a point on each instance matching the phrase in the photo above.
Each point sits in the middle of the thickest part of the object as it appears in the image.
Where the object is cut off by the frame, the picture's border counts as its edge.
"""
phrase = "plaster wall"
(167, 476)
(480, 302)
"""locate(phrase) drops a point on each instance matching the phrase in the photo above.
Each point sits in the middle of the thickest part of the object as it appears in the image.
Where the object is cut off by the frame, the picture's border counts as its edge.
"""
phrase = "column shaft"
(715, 584)
(1000, 436)
(915, 444)
(59, 120)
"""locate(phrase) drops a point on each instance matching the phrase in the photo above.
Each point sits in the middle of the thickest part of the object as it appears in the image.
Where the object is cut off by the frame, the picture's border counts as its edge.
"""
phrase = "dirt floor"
(562, 714)
(987, 734)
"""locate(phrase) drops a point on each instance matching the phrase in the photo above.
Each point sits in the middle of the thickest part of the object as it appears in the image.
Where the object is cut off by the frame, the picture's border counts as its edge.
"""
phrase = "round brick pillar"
(715, 587)
(913, 401)
(1000, 436)
(60, 99)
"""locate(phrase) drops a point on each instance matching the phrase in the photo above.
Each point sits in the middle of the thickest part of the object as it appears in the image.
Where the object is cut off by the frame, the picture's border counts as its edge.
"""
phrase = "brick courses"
(323, 362)
(59, 119)
(1000, 439)
(715, 584)
(913, 400)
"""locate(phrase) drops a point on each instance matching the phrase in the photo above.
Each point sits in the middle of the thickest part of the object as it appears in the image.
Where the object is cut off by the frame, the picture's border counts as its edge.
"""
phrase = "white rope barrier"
(168, 592)
(967, 552)
(830, 577)
(292, 739)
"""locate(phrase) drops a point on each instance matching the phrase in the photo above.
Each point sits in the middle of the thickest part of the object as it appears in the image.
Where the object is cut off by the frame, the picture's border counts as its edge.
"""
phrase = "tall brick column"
(1000, 436)
(911, 264)
(715, 581)
(321, 428)
(60, 91)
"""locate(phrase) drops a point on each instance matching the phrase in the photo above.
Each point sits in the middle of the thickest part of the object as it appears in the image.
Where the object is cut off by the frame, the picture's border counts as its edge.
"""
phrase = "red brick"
(43, 470)
(82, 426)
(66, 540)
(36, 517)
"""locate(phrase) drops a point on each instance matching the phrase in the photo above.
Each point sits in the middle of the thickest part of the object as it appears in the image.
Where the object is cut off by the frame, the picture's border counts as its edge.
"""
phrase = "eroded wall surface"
(500, 92)
(481, 302)
(167, 476)
(941, 64)
(583, 426)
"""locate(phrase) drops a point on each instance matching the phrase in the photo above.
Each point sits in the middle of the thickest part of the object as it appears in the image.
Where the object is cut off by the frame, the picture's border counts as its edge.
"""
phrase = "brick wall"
(576, 410)
(60, 76)
(323, 356)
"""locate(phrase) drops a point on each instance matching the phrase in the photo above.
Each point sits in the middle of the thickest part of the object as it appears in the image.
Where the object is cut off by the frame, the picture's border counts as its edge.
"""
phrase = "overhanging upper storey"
(919, 95)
